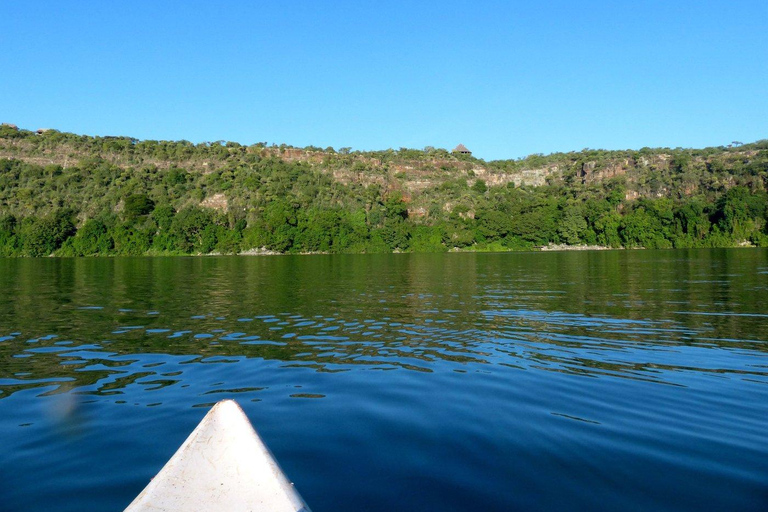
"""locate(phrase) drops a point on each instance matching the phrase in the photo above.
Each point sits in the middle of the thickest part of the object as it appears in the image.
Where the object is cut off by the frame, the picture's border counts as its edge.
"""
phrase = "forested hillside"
(74, 195)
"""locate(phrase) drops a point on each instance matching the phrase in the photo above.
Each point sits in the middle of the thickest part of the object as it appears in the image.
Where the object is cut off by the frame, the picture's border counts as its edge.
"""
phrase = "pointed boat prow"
(223, 465)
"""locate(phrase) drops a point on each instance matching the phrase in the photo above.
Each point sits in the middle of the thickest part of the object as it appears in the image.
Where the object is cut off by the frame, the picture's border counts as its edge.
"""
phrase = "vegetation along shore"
(74, 195)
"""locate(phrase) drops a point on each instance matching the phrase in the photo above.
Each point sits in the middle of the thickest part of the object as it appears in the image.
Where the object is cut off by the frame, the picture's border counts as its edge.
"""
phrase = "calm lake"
(612, 380)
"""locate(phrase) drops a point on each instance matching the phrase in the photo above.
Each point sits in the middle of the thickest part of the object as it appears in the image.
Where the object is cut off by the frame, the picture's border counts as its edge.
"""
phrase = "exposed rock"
(565, 247)
(262, 251)
(415, 213)
(527, 177)
(414, 178)
(418, 185)
(534, 177)
(587, 168)
(216, 202)
(589, 173)
(291, 155)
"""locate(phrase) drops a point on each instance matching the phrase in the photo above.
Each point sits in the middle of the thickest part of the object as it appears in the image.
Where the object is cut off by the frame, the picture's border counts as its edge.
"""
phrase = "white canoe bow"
(224, 466)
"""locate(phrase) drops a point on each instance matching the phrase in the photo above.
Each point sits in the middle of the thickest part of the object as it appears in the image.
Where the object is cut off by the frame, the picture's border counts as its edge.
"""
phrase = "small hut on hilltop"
(462, 149)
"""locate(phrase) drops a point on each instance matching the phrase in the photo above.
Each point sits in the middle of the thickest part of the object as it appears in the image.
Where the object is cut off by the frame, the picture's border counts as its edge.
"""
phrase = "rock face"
(589, 172)
(565, 247)
(216, 202)
(412, 173)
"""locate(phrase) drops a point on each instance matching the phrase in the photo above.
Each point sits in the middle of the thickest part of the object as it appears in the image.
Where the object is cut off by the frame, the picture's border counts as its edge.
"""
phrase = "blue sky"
(507, 79)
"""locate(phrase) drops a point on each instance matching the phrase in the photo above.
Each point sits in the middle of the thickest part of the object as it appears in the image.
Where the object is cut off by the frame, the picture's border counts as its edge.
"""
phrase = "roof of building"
(461, 148)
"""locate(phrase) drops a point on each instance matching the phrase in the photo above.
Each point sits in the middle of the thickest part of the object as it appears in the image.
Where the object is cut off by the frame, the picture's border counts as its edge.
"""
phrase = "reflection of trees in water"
(131, 323)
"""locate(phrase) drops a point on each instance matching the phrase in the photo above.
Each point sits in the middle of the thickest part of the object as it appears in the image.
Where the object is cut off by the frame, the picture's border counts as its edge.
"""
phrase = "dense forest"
(76, 195)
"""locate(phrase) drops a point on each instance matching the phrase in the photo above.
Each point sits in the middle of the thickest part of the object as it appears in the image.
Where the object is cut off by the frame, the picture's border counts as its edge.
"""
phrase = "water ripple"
(596, 370)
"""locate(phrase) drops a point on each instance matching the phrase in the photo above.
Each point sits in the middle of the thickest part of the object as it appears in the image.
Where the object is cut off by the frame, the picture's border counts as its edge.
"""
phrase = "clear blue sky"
(505, 78)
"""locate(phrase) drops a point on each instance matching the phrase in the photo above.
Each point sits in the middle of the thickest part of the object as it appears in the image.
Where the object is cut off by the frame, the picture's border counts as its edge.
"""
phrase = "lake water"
(582, 380)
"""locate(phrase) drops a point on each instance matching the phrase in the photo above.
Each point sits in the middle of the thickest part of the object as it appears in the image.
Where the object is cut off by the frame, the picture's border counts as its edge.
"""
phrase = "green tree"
(42, 236)
(692, 224)
(644, 227)
(279, 223)
(187, 230)
(8, 241)
(480, 187)
(137, 205)
(606, 228)
(427, 239)
(739, 213)
(91, 239)
(395, 207)
(573, 226)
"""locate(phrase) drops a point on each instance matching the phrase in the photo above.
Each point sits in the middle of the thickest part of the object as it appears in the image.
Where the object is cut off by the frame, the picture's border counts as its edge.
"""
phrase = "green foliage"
(573, 226)
(130, 197)
(740, 213)
(137, 205)
(92, 239)
(192, 230)
(606, 228)
(427, 239)
(536, 222)
(493, 224)
(647, 225)
(42, 236)
(131, 240)
(9, 245)
(395, 207)
(480, 187)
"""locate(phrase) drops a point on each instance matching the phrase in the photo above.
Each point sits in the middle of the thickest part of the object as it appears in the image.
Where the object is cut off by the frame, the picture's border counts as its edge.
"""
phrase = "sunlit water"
(594, 381)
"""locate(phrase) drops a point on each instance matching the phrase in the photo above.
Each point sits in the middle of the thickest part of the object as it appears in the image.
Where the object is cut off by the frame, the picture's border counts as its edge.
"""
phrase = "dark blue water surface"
(581, 380)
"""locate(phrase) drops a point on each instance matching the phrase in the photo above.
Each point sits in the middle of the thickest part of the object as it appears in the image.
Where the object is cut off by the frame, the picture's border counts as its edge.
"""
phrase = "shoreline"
(566, 247)
(454, 250)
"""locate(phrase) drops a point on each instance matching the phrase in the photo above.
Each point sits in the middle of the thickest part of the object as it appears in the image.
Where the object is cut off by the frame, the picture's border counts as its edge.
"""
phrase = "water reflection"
(102, 326)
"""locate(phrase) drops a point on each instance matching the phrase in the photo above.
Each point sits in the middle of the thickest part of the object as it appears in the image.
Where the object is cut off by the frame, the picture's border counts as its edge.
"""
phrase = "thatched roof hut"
(461, 148)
